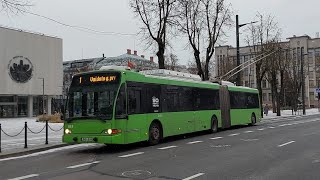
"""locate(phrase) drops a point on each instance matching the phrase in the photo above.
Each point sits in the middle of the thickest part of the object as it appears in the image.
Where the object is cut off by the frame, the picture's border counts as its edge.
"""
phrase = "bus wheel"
(155, 134)
(214, 124)
(253, 119)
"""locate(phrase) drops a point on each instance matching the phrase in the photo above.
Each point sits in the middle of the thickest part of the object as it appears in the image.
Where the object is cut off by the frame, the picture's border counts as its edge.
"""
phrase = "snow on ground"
(13, 126)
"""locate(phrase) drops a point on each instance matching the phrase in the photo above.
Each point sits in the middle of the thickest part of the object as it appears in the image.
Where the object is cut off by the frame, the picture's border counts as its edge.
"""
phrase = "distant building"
(226, 59)
(27, 60)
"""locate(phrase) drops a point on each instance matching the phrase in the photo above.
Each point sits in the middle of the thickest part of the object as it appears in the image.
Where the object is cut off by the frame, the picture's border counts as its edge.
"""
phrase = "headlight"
(109, 131)
(67, 131)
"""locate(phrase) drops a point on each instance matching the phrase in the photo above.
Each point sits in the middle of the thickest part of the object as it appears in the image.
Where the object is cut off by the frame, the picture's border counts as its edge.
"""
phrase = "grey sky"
(295, 18)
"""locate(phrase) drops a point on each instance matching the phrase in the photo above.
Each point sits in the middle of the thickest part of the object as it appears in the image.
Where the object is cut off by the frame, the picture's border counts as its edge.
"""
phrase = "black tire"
(155, 134)
(214, 124)
(253, 119)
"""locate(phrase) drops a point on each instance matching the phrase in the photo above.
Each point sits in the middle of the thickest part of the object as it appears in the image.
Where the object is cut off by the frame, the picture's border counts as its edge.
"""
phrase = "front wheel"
(155, 134)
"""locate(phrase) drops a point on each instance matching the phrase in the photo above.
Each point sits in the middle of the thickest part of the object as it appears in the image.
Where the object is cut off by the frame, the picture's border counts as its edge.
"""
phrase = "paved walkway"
(11, 146)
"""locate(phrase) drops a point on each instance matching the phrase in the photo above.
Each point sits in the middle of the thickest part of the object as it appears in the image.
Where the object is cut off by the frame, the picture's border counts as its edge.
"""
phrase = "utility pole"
(238, 79)
(302, 82)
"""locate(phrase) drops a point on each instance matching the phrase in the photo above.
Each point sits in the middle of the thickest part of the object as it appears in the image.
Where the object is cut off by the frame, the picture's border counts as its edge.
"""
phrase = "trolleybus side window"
(135, 101)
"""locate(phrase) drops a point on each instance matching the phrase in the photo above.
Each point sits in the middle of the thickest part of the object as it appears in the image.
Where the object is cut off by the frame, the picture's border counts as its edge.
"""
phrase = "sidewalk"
(35, 140)
(288, 113)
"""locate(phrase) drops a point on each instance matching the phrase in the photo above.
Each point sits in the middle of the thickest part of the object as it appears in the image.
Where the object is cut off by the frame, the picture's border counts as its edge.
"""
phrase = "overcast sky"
(295, 17)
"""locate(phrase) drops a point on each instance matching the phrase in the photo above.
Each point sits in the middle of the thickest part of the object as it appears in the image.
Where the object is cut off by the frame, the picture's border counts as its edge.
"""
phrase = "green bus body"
(134, 126)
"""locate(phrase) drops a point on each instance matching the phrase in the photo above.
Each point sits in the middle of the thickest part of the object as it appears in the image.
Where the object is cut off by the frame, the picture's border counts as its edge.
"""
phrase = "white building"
(27, 60)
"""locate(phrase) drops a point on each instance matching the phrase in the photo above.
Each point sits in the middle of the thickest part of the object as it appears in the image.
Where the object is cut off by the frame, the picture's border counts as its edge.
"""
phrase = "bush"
(55, 118)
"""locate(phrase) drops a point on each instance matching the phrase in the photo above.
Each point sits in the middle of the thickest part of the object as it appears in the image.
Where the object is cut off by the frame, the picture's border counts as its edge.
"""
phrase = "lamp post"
(302, 82)
(42, 96)
(238, 81)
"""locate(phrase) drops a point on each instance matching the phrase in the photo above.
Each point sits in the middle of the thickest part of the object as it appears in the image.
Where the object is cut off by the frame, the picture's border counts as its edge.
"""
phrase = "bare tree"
(171, 61)
(14, 6)
(204, 21)
(261, 36)
(157, 18)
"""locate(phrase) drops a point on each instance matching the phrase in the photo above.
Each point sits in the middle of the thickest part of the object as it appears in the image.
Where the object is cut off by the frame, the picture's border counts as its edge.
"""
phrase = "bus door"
(225, 106)
(136, 115)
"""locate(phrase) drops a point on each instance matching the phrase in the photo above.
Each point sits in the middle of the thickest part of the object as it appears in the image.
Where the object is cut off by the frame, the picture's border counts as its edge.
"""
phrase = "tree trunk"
(160, 55)
(198, 61)
(259, 80)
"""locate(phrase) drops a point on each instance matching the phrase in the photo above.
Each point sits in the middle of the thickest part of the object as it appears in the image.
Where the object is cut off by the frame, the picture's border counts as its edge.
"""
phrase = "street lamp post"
(238, 80)
(302, 82)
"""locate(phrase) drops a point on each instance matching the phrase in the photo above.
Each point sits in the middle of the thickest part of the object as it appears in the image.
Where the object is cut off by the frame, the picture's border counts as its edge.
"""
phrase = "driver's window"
(121, 108)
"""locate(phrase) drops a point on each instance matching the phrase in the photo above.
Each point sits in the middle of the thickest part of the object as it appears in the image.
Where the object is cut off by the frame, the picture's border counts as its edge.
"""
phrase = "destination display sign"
(96, 79)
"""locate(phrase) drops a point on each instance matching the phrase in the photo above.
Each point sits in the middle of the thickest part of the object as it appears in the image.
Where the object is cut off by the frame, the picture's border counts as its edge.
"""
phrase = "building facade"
(226, 59)
(30, 72)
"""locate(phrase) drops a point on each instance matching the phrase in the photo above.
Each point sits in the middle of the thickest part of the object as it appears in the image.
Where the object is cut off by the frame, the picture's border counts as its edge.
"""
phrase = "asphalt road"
(286, 148)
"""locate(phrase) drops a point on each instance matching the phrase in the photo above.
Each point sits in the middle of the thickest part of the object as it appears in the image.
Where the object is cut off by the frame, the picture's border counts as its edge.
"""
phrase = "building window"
(270, 97)
(264, 97)
(23, 106)
(311, 96)
(264, 84)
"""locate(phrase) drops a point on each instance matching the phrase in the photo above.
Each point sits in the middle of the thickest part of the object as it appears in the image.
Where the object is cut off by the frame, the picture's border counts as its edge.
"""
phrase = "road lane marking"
(249, 140)
(194, 142)
(81, 165)
(25, 177)
(271, 127)
(129, 155)
(236, 134)
(216, 138)
(168, 147)
(282, 125)
(194, 176)
(289, 124)
(248, 131)
(261, 129)
(286, 143)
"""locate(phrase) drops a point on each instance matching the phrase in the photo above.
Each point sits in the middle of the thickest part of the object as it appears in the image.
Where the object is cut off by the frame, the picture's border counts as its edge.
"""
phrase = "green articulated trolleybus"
(119, 106)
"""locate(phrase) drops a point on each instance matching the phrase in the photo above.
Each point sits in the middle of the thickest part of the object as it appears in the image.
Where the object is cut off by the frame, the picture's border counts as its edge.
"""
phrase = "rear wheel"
(253, 119)
(214, 125)
(155, 134)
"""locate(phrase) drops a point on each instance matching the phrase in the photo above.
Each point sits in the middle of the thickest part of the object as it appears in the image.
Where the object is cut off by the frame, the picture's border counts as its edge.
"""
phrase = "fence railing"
(25, 129)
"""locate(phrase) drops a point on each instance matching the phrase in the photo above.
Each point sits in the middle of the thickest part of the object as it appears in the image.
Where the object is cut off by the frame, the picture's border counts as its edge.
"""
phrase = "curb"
(30, 151)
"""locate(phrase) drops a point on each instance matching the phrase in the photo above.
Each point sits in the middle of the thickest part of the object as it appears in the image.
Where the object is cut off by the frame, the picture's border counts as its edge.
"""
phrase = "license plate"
(87, 139)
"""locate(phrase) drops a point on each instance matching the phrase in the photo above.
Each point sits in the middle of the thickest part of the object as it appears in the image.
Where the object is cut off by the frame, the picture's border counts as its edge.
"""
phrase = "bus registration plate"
(87, 139)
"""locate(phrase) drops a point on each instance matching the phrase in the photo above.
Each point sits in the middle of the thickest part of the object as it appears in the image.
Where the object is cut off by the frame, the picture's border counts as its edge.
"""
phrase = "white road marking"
(194, 142)
(216, 138)
(271, 127)
(261, 129)
(129, 155)
(249, 139)
(236, 134)
(282, 125)
(194, 176)
(289, 124)
(168, 147)
(248, 131)
(220, 146)
(81, 165)
(25, 177)
(286, 143)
